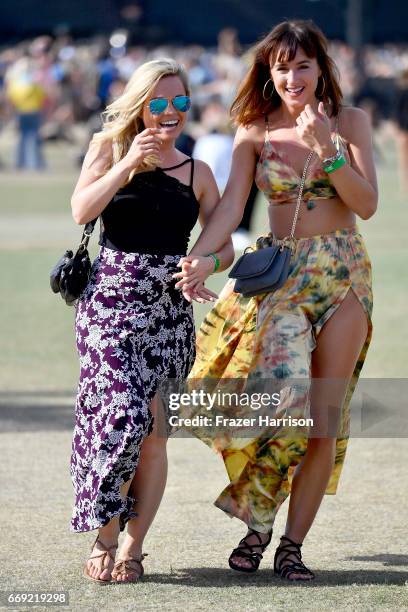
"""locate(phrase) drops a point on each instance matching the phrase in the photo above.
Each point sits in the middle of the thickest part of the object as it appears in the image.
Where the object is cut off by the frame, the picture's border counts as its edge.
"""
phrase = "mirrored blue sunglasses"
(159, 105)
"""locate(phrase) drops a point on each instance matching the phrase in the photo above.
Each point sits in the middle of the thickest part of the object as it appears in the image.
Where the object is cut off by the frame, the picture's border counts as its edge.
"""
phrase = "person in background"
(215, 148)
(107, 74)
(27, 97)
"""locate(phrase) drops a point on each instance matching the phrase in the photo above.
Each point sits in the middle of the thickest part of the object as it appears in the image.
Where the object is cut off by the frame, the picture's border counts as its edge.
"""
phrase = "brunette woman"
(291, 122)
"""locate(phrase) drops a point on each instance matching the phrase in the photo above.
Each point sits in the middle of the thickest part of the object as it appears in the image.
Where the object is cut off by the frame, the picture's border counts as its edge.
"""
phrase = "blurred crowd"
(54, 88)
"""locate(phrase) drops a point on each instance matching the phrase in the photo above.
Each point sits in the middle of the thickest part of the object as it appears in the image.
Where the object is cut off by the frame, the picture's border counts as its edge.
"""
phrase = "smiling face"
(296, 80)
(171, 121)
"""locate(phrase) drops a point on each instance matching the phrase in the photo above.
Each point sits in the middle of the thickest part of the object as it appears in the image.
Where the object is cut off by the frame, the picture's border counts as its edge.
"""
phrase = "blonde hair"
(122, 119)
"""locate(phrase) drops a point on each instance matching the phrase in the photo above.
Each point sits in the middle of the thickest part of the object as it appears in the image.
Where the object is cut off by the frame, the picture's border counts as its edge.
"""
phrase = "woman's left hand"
(315, 130)
(200, 294)
(195, 269)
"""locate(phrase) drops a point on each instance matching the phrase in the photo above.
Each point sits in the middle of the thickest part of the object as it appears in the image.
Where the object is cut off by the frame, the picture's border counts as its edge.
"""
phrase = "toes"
(241, 562)
(299, 577)
(98, 573)
(104, 575)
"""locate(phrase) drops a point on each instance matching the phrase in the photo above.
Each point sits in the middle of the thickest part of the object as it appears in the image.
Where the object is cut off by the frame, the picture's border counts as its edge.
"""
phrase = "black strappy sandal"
(283, 569)
(246, 551)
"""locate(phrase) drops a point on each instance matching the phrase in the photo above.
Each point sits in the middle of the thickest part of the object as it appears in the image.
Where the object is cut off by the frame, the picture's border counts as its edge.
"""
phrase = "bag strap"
(299, 198)
(290, 239)
(301, 187)
(88, 229)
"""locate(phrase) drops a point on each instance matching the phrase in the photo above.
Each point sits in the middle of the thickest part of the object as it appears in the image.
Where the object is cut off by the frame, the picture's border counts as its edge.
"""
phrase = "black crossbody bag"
(70, 275)
(266, 269)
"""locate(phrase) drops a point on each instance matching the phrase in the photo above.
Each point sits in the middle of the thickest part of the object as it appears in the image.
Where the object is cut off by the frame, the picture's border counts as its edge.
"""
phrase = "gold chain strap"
(299, 199)
(290, 241)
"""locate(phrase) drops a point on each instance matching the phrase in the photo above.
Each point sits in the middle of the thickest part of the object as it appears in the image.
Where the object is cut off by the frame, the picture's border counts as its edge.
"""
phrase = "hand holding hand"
(195, 269)
(315, 130)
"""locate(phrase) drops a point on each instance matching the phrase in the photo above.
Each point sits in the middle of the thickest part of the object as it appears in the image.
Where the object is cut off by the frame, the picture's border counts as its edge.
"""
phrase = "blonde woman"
(134, 329)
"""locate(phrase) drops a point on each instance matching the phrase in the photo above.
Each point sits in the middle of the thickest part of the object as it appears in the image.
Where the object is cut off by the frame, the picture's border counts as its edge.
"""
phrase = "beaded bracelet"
(338, 163)
(216, 261)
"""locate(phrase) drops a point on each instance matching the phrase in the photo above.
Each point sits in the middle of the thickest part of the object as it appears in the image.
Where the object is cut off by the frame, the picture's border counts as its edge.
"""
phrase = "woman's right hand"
(144, 144)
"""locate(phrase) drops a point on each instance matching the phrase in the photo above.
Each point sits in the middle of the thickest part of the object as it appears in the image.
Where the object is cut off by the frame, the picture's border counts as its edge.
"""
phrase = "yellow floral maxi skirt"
(273, 335)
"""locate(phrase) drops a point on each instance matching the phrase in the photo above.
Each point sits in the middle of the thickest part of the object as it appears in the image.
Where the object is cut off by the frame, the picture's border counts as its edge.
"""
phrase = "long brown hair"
(281, 44)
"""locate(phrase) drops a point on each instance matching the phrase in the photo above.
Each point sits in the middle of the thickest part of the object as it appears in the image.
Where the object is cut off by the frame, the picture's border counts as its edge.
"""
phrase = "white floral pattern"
(134, 333)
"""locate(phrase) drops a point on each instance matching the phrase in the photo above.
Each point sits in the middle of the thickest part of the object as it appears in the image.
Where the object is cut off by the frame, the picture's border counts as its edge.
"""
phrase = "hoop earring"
(272, 92)
(323, 89)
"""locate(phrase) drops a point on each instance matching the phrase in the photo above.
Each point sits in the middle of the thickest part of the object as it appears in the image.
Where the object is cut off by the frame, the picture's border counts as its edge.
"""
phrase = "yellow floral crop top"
(278, 180)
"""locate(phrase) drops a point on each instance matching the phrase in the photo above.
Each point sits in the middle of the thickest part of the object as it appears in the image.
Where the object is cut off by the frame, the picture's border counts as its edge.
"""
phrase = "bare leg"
(147, 486)
(108, 536)
(333, 358)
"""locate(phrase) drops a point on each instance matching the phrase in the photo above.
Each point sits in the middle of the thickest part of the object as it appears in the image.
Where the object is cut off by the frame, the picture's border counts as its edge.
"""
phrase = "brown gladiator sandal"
(105, 553)
(133, 567)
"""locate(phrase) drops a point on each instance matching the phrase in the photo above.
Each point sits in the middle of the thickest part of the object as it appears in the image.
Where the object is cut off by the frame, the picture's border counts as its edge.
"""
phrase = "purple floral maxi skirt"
(134, 330)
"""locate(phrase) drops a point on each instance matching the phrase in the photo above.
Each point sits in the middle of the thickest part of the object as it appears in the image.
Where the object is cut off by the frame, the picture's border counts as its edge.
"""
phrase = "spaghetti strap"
(192, 172)
(178, 165)
(266, 138)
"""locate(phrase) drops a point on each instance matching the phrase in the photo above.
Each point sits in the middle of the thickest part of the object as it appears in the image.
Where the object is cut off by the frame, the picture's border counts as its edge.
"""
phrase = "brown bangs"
(281, 45)
(285, 49)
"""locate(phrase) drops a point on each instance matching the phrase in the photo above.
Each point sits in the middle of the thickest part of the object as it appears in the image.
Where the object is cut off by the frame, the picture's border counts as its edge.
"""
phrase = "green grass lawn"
(358, 543)
(37, 327)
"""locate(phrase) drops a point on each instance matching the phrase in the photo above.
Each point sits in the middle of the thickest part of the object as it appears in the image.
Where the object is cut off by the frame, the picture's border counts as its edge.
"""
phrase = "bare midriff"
(325, 217)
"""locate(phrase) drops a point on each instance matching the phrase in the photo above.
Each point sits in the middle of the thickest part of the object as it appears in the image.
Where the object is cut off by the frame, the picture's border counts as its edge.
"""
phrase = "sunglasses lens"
(157, 105)
(182, 103)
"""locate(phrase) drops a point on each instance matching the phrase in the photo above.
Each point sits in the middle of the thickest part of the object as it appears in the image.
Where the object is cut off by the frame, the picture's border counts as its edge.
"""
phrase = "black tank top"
(154, 213)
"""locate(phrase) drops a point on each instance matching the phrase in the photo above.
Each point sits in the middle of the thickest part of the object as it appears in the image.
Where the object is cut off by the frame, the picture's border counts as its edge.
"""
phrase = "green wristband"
(335, 165)
(216, 261)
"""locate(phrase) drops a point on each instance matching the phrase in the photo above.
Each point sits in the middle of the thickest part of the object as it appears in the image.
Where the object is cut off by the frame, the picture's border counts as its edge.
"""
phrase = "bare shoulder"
(252, 135)
(202, 169)
(252, 131)
(99, 155)
(203, 177)
(100, 145)
(353, 123)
